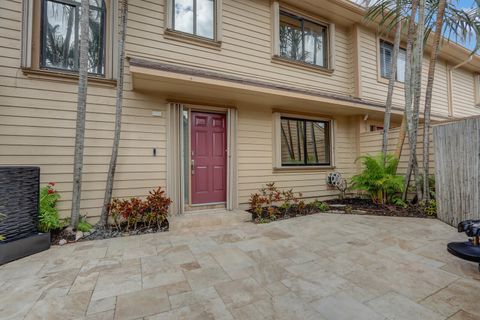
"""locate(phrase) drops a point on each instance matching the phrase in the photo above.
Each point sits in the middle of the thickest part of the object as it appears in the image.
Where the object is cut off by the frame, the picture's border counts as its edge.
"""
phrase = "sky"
(465, 4)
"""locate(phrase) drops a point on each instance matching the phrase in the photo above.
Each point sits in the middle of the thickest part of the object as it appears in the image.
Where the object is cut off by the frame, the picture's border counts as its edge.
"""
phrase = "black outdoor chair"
(469, 250)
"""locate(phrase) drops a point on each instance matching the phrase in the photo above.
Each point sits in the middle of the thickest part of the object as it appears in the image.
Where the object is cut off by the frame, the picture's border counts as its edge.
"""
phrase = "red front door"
(209, 158)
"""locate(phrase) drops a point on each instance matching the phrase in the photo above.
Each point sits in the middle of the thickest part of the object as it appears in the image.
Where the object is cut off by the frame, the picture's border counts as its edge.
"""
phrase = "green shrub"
(48, 218)
(320, 206)
(378, 178)
(429, 207)
(83, 225)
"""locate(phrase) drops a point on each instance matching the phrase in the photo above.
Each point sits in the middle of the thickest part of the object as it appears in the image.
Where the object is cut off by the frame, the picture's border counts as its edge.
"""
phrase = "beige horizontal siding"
(371, 144)
(375, 90)
(246, 47)
(463, 94)
(37, 127)
(255, 156)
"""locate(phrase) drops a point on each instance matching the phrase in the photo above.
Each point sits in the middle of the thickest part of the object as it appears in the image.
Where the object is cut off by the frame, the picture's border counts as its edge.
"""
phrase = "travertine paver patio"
(323, 266)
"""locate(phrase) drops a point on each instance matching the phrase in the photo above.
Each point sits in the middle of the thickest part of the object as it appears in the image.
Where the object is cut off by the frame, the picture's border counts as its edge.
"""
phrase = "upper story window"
(386, 54)
(303, 40)
(196, 17)
(60, 35)
(305, 142)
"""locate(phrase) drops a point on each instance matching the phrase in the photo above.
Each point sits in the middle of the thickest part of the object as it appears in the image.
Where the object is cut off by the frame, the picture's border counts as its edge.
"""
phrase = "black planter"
(21, 248)
(19, 192)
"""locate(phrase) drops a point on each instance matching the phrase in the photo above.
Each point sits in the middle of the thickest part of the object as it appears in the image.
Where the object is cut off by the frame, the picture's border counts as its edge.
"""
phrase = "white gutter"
(450, 83)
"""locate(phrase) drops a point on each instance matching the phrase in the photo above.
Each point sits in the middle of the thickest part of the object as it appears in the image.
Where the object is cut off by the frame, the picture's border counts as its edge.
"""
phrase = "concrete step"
(212, 218)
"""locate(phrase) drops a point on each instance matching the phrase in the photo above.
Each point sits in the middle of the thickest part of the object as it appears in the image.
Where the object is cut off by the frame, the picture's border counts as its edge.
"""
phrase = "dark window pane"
(315, 45)
(183, 15)
(386, 54)
(60, 36)
(318, 142)
(302, 40)
(305, 142)
(205, 18)
(291, 42)
(292, 141)
(95, 46)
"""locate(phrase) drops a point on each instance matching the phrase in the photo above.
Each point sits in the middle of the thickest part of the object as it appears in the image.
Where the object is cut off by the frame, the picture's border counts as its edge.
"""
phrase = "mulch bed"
(358, 206)
(111, 231)
(367, 207)
(282, 214)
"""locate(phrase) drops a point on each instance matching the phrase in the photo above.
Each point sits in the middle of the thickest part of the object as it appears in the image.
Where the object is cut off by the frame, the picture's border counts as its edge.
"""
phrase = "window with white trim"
(60, 35)
(386, 54)
(196, 17)
(303, 40)
(303, 141)
(51, 36)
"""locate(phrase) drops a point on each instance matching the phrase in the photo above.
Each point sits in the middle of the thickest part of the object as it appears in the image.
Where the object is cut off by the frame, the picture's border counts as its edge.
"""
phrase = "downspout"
(450, 83)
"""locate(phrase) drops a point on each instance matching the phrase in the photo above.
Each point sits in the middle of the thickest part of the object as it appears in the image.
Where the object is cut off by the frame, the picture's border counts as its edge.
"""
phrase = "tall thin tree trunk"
(118, 114)
(407, 89)
(428, 97)
(391, 81)
(418, 61)
(401, 138)
(409, 65)
(81, 112)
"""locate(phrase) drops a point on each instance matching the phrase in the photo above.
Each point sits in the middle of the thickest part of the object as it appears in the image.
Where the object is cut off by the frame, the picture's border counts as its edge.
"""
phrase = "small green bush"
(83, 225)
(378, 178)
(429, 207)
(320, 206)
(48, 217)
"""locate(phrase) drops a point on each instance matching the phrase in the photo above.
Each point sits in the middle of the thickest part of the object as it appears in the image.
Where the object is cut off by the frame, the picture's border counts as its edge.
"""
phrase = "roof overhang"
(182, 84)
(198, 86)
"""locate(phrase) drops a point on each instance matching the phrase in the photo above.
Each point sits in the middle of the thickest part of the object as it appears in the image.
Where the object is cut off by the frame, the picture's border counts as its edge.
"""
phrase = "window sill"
(66, 77)
(192, 39)
(398, 84)
(303, 169)
(303, 65)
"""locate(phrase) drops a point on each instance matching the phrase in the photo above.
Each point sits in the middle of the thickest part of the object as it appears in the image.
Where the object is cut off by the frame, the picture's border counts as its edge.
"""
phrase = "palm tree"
(81, 112)
(459, 23)
(413, 91)
(118, 114)
(428, 96)
(382, 10)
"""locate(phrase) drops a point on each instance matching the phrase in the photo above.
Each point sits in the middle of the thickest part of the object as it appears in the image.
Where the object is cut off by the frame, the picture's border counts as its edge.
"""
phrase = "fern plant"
(83, 225)
(48, 217)
(378, 178)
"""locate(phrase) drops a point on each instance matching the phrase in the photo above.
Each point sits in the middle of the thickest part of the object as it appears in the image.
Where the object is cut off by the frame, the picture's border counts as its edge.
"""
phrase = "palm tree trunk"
(81, 112)
(428, 97)
(408, 89)
(410, 36)
(401, 138)
(118, 114)
(418, 61)
(391, 81)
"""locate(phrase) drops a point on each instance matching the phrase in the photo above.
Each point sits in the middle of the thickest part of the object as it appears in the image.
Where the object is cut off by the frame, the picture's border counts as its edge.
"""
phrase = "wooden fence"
(457, 170)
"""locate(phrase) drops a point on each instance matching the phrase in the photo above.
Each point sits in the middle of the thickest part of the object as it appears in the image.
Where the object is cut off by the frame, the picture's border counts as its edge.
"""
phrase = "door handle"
(193, 166)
